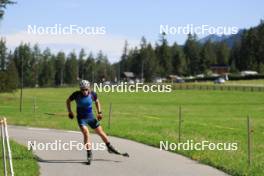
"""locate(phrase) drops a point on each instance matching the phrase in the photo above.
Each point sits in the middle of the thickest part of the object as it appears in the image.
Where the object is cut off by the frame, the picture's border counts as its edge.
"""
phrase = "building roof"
(174, 77)
(129, 74)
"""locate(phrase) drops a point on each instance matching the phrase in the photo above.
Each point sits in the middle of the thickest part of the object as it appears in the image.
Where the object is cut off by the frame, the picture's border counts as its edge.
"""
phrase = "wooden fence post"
(180, 122)
(250, 144)
(110, 114)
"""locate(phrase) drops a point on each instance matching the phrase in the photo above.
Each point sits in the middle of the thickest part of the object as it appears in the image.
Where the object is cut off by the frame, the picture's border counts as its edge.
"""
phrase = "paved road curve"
(143, 161)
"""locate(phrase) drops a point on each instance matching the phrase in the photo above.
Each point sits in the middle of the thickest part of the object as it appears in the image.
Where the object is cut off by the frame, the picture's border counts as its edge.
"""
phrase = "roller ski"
(112, 150)
(89, 157)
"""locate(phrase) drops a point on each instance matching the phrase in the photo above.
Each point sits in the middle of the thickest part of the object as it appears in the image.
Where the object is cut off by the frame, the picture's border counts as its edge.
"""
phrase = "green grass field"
(216, 116)
(24, 162)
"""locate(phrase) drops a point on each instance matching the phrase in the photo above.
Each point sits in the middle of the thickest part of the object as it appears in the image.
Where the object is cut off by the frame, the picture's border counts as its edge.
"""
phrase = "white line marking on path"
(73, 132)
(40, 129)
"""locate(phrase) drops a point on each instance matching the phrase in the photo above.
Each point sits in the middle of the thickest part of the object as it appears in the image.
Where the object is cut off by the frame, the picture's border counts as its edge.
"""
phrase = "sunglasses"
(83, 90)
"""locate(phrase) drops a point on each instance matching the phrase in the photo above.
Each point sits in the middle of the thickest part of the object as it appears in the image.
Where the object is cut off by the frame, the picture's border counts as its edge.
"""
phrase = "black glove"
(71, 115)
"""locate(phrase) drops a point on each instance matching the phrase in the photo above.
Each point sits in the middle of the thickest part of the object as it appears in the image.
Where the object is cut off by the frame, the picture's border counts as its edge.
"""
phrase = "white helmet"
(84, 84)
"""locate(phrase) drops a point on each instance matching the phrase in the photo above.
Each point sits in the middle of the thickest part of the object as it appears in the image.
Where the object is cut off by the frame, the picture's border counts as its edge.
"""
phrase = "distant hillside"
(229, 39)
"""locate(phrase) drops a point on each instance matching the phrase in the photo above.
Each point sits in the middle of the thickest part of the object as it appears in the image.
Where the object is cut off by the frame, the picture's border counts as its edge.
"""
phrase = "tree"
(24, 58)
(208, 56)
(3, 52)
(235, 57)
(150, 64)
(71, 70)
(47, 73)
(222, 53)
(164, 56)
(134, 60)
(36, 57)
(59, 68)
(81, 62)
(89, 68)
(260, 57)
(9, 76)
(3, 4)
(145, 63)
(3, 55)
(249, 50)
(142, 61)
(12, 75)
(2, 81)
(178, 60)
(124, 66)
(3, 65)
(101, 67)
(192, 52)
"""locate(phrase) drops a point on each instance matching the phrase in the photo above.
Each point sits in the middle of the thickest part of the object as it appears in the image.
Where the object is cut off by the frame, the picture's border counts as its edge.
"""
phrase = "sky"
(120, 20)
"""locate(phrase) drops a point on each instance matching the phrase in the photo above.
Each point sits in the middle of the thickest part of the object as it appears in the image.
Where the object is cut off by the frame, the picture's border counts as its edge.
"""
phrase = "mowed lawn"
(215, 116)
(24, 162)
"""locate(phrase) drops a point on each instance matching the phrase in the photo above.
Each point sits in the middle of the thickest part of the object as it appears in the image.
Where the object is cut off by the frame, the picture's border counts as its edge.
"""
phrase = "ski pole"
(3, 146)
(8, 149)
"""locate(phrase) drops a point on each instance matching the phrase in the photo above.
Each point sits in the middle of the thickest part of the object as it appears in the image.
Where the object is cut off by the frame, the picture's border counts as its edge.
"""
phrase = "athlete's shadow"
(74, 161)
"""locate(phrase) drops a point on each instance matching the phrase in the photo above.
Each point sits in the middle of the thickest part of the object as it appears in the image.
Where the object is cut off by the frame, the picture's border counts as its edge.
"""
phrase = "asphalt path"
(144, 160)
